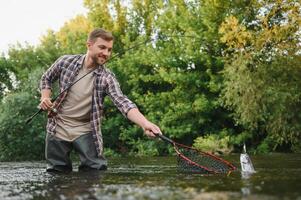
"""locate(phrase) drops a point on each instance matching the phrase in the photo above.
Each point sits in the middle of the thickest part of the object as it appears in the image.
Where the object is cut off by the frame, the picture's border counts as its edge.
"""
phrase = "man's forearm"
(137, 117)
(148, 127)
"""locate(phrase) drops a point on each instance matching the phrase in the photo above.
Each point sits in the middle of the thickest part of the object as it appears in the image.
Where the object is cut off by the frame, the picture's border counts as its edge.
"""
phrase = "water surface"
(278, 176)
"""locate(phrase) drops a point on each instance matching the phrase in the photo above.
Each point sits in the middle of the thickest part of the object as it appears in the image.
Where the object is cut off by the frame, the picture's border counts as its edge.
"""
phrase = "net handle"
(166, 139)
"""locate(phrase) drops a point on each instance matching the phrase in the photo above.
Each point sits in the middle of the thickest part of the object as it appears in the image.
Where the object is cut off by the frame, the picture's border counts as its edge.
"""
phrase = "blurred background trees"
(215, 74)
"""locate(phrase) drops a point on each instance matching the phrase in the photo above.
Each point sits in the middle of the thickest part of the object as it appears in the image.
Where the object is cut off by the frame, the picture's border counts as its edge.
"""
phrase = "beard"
(98, 60)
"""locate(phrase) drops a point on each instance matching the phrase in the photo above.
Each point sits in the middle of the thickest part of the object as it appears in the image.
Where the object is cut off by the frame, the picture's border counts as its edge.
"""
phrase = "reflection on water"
(278, 177)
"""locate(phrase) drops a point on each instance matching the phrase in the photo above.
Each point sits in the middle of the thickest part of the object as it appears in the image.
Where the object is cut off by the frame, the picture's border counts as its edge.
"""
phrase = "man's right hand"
(46, 104)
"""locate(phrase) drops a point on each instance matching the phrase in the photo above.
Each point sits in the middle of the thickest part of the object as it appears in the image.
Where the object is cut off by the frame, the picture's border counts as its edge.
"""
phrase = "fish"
(246, 163)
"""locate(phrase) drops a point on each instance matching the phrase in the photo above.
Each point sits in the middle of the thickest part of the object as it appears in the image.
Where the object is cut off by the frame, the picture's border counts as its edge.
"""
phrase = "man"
(74, 118)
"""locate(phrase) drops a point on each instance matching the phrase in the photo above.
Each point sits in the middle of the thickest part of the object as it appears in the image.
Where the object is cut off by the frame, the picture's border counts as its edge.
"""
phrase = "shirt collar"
(99, 69)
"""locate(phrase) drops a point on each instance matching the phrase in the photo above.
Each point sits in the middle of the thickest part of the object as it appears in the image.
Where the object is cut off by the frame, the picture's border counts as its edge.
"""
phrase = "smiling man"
(74, 118)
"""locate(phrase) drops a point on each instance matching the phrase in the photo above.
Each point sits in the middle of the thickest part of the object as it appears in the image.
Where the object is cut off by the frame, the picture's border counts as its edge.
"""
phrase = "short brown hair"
(99, 32)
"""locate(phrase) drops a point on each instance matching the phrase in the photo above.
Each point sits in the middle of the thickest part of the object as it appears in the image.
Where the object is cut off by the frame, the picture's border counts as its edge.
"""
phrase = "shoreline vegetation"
(215, 76)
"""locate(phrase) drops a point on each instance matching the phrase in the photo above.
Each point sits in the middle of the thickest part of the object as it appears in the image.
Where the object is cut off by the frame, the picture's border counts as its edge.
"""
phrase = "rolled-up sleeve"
(50, 75)
(121, 101)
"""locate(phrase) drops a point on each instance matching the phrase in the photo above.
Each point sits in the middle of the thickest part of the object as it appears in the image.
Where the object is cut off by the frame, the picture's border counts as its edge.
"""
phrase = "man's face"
(100, 50)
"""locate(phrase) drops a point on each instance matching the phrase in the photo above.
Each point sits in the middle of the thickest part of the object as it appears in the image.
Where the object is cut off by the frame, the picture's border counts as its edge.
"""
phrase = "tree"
(262, 77)
(6, 82)
(19, 141)
(72, 37)
(175, 79)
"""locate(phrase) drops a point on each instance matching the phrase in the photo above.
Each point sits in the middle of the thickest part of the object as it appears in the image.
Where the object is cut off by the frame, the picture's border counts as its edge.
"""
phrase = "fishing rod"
(28, 120)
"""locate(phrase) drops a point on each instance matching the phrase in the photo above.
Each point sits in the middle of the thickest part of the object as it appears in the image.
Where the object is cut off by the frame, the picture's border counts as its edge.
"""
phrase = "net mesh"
(193, 161)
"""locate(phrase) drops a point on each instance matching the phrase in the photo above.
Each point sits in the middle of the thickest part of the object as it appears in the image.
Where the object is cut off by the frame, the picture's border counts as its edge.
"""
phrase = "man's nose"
(106, 52)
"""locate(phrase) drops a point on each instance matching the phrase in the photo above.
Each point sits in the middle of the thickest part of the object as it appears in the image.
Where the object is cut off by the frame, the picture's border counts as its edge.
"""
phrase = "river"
(278, 176)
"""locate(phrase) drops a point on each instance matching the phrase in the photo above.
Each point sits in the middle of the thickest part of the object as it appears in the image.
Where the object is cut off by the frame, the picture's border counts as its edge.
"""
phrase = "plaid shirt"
(66, 69)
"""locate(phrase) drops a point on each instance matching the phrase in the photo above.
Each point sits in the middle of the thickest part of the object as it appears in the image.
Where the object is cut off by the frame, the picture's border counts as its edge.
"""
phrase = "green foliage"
(110, 153)
(239, 139)
(296, 148)
(144, 148)
(23, 60)
(6, 83)
(262, 75)
(214, 143)
(49, 49)
(72, 37)
(175, 81)
(265, 146)
(217, 74)
(17, 140)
